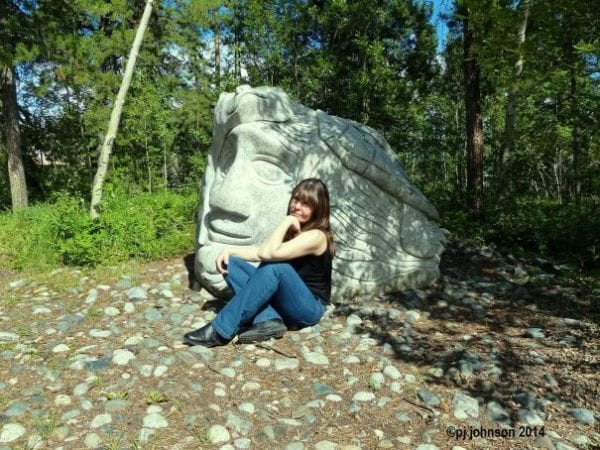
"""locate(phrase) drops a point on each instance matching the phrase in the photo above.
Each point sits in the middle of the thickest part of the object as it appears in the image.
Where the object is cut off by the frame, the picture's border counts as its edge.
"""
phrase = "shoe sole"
(192, 342)
(251, 338)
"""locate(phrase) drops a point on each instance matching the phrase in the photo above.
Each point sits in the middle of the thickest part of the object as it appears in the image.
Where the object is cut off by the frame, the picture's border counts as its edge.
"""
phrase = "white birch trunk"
(115, 116)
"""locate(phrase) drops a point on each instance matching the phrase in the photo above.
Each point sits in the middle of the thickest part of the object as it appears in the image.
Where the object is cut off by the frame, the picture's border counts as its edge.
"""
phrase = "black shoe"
(262, 331)
(205, 336)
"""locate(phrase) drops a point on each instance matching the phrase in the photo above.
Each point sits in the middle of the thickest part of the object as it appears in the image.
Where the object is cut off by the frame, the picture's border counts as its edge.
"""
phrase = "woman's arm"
(277, 236)
(304, 243)
(273, 248)
(248, 253)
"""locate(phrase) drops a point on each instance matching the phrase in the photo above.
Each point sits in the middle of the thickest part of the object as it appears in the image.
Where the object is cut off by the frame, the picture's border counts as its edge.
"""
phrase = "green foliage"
(546, 228)
(132, 225)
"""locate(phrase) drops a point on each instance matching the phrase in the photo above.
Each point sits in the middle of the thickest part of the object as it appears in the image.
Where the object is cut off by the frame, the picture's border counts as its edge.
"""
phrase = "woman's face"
(301, 210)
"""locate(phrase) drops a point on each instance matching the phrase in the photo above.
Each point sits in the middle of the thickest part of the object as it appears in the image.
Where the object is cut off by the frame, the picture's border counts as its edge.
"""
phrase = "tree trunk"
(511, 109)
(575, 138)
(218, 55)
(474, 126)
(12, 138)
(115, 116)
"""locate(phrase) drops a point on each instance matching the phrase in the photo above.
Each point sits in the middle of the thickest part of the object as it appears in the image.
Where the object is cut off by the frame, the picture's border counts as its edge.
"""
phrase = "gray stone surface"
(264, 144)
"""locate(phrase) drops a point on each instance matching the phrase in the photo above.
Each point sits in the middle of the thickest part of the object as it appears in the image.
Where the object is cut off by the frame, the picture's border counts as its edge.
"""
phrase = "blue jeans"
(270, 291)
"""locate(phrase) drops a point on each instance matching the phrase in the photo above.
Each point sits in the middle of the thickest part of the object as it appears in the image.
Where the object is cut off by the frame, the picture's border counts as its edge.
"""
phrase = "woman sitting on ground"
(291, 286)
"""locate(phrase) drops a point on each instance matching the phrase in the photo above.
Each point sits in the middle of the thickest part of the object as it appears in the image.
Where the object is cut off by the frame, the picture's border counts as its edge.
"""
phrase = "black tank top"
(315, 271)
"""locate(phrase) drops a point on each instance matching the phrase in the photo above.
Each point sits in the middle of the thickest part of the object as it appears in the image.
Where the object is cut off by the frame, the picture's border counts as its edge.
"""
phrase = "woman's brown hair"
(314, 192)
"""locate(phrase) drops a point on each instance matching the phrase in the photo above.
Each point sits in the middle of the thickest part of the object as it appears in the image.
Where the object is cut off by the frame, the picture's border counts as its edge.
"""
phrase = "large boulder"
(264, 144)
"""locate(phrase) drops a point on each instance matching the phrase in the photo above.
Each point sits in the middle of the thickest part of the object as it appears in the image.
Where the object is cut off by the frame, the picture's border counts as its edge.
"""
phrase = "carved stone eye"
(269, 172)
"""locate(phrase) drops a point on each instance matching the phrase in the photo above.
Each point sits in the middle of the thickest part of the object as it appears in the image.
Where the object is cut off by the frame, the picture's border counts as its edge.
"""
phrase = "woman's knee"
(275, 268)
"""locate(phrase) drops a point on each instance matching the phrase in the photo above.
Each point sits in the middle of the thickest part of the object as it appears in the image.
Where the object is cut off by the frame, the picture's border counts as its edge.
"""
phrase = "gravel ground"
(500, 353)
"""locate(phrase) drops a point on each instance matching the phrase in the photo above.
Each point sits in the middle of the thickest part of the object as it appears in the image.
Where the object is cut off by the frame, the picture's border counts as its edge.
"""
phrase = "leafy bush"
(132, 225)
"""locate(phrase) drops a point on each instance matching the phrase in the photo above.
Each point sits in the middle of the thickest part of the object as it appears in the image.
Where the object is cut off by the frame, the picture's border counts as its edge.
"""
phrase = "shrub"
(131, 225)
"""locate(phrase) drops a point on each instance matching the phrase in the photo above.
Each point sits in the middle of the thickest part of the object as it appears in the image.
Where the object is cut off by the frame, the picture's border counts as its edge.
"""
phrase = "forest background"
(499, 127)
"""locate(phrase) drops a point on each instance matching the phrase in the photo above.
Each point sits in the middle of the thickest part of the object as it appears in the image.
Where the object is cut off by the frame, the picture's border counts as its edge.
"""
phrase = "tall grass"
(131, 226)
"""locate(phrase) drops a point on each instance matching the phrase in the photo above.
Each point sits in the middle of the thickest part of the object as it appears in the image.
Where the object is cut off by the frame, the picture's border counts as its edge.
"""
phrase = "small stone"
(535, 333)
(11, 432)
(561, 446)
(544, 442)
(16, 409)
(100, 333)
(479, 312)
(18, 283)
(136, 294)
(286, 364)
(410, 378)
(111, 311)
(351, 359)
(391, 372)
(316, 358)
(583, 416)
(326, 445)
(122, 357)
(227, 372)
(160, 371)
(530, 418)
(263, 362)
(92, 296)
(218, 434)
(60, 348)
(247, 408)
(62, 400)
(92, 440)
(412, 316)
(363, 396)
(322, 389)
(428, 397)
(155, 420)
(376, 381)
(436, 372)
(580, 440)
(295, 446)
(6, 336)
(465, 406)
(497, 413)
(353, 321)
(101, 420)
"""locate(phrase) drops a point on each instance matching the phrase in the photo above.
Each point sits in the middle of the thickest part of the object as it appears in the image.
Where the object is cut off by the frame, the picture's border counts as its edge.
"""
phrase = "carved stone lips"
(221, 228)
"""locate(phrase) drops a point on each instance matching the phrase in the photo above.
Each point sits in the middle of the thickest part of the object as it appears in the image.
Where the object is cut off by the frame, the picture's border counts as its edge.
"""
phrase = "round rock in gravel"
(583, 416)
(218, 434)
(155, 420)
(363, 396)
(122, 357)
(465, 406)
(11, 432)
(391, 372)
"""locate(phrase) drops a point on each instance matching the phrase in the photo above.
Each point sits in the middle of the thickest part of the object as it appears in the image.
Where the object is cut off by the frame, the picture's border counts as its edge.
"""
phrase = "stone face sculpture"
(264, 144)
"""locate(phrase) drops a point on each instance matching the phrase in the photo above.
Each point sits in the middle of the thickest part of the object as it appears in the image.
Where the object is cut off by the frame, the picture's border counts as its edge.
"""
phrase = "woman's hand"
(222, 261)
(293, 228)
